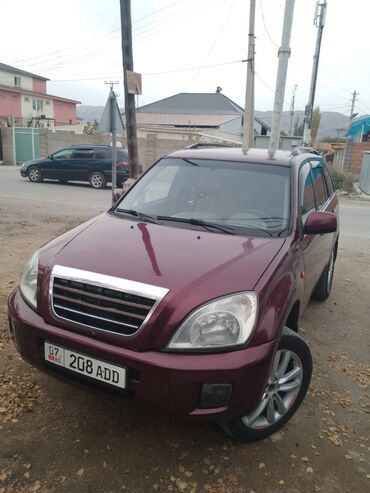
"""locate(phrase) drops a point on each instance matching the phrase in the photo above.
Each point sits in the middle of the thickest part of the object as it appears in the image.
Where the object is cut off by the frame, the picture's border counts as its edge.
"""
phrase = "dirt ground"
(56, 438)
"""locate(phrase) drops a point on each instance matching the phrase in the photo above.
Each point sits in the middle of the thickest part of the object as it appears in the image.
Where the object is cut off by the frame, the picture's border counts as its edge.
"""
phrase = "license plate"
(85, 365)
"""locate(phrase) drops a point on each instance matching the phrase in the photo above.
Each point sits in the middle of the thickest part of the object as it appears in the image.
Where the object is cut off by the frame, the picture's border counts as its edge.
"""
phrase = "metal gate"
(26, 143)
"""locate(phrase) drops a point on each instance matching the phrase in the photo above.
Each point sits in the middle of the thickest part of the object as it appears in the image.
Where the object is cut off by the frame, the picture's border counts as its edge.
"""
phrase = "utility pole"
(113, 127)
(283, 54)
(128, 66)
(248, 130)
(292, 103)
(353, 101)
(319, 22)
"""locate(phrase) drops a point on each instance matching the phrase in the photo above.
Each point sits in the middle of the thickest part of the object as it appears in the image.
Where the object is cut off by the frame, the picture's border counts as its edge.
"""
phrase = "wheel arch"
(293, 317)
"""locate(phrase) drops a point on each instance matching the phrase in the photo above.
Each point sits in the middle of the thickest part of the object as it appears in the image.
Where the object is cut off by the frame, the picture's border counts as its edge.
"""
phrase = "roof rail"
(199, 145)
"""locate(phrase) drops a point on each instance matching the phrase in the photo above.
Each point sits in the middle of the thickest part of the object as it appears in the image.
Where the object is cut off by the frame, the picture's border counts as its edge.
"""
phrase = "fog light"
(215, 394)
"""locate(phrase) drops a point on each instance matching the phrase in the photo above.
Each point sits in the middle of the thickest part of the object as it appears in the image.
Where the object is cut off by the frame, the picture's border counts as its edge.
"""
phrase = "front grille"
(98, 305)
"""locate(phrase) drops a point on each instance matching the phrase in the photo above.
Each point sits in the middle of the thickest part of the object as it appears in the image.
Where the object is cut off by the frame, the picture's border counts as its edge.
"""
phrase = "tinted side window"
(83, 153)
(307, 200)
(63, 154)
(122, 156)
(103, 153)
(320, 188)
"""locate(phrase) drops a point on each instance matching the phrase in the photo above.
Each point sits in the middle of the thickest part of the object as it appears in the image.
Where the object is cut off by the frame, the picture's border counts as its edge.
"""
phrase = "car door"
(316, 249)
(54, 168)
(326, 201)
(79, 166)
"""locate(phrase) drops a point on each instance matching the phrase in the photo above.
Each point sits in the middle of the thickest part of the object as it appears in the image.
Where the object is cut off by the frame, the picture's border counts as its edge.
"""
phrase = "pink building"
(24, 101)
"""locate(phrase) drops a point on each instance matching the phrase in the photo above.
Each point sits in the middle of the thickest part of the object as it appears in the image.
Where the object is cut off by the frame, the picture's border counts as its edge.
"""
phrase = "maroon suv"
(186, 295)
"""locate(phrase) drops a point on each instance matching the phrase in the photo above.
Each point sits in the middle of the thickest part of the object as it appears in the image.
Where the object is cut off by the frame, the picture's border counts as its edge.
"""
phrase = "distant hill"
(330, 120)
(329, 123)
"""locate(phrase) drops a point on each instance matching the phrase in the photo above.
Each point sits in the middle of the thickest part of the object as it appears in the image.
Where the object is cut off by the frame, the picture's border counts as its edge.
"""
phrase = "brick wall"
(354, 155)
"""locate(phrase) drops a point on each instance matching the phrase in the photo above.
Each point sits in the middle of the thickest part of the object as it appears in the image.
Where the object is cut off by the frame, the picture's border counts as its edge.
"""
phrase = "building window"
(14, 97)
(37, 104)
(26, 99)
(17, 81)
(47, 103)
(1, 95)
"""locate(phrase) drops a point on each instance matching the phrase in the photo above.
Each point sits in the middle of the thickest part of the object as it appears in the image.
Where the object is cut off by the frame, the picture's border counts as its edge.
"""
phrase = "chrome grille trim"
(151, 293)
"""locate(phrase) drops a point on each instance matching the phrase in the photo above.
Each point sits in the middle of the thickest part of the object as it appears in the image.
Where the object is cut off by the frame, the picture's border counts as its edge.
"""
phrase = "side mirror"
(50, 156)
(319, 223)
(117, 194)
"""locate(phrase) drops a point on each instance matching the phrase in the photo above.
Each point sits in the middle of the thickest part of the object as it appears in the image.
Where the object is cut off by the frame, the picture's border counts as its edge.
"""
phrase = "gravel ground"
(56, 438)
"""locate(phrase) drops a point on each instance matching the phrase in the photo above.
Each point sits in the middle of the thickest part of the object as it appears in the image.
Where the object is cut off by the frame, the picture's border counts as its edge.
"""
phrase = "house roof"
(183, 120)
(14, 70)
(20, 90)
(187, 103)
(191, 106)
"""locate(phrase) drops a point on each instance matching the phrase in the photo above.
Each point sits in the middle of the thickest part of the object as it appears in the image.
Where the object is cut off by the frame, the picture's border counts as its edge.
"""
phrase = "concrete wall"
(353, 156)
(7, 145)
(152, 143)
(51, 141)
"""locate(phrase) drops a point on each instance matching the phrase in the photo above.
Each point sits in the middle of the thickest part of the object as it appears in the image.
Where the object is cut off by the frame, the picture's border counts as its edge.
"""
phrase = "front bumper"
(168, 381)
(23, 172)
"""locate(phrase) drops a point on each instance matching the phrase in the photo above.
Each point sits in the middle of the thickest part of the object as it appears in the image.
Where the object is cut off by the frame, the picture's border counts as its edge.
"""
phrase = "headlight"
(226, 322)
(28, 285)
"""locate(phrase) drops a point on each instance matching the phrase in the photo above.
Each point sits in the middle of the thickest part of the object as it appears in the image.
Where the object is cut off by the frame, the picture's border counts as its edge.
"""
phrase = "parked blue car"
(78, 163)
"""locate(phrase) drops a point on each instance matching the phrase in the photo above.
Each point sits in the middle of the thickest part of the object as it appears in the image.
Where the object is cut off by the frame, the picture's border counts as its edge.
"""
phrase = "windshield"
(245, 198)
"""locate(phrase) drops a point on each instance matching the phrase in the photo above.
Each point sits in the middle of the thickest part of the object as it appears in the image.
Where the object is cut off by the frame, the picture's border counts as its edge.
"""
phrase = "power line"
(212, 46)
(153, 73)
(264, 25)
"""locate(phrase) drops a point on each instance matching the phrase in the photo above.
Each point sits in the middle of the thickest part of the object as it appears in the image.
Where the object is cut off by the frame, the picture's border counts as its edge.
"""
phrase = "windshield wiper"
(140, 215)
(199, 222)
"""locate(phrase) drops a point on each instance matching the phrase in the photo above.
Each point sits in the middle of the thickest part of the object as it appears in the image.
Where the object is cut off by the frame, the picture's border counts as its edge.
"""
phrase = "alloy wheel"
(34, 174)
(282, 388)
(96, 181)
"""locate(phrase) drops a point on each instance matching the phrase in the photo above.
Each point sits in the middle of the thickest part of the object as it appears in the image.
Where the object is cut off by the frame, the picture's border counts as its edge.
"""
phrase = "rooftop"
(188, 103)
(14, 70)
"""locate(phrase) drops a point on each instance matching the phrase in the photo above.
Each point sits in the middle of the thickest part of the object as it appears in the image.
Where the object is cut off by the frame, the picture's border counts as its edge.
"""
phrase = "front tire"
(34, 174)
(286, 387)
(98, 180)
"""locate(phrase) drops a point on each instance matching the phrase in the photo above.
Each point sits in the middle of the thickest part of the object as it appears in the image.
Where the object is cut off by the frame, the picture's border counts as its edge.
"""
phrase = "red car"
(186, 295)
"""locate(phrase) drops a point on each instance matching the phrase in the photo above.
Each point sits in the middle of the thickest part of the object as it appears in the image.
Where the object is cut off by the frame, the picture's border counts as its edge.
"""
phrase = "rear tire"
(98, 180)
(323, 286)
(286, 387)
(34, 174)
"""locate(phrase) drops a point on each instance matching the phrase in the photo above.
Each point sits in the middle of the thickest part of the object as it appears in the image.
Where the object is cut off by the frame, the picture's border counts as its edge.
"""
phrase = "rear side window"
(307, 202)
(103, 153)
(83, 153)
(320, 187)
(122, 156)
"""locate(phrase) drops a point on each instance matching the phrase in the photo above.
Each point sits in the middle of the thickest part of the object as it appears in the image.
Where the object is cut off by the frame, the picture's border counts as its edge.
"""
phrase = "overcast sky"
(76, 43)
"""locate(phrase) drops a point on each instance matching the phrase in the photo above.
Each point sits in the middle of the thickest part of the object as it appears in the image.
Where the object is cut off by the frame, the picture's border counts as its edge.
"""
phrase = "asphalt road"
(77, 198)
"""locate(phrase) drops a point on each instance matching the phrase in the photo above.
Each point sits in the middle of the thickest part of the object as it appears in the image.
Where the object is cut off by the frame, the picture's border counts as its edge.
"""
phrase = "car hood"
(195, 266)
(33, 161)
(171, 257)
